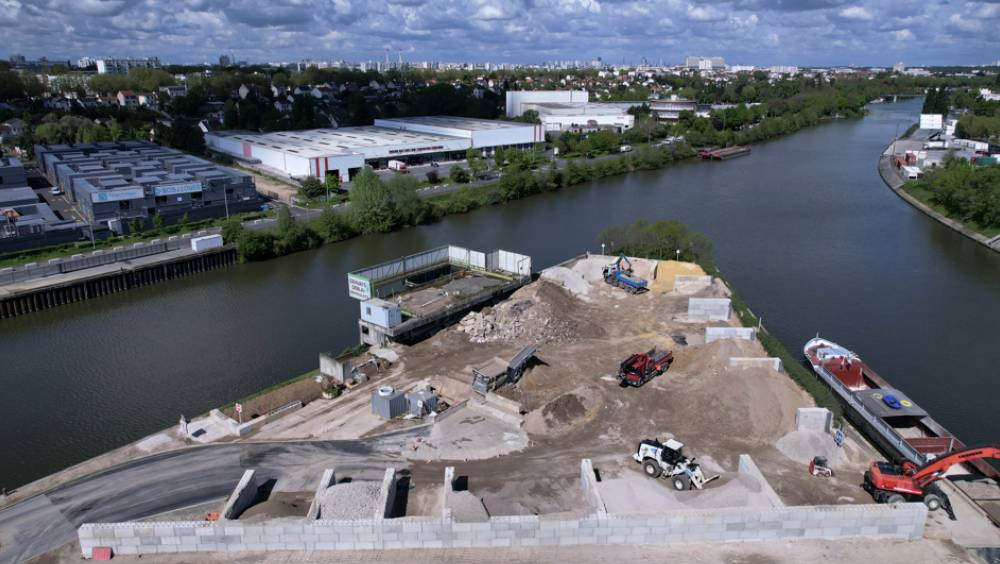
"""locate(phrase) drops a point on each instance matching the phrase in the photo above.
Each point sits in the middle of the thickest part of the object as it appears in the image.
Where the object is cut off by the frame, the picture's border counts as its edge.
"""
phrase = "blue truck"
(619, 273)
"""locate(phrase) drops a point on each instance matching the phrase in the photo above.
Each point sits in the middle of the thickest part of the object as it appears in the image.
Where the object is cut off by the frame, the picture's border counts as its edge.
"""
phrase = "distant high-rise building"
(898, 67)
(225, 61)
(17, 60)
(84, 62)
(705, 63)
(122, 66)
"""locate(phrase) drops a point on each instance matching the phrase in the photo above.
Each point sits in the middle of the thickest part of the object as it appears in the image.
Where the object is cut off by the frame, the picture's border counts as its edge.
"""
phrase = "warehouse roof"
(326, 142)
(463, 123)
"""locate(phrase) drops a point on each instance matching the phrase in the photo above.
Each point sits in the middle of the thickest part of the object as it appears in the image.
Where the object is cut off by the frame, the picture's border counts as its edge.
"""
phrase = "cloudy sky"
(762, 32)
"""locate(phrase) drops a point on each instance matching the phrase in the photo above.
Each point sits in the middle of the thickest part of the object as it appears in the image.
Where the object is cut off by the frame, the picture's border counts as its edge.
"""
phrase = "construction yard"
(571, 406)
(515, 449)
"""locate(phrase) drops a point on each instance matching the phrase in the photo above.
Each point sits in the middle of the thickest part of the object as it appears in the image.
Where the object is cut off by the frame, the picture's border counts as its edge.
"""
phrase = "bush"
(433, 177)
(458, 175)
(311, 188)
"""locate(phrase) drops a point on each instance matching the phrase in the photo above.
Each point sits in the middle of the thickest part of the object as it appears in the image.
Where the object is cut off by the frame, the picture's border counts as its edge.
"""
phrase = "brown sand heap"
(758, 403)
(564, 413)
(668, 270)
(531, 316)
(350, 500)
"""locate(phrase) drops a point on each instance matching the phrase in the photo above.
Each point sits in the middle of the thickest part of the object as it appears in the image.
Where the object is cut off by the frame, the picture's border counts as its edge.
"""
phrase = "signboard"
(119, 195)
(171, 189)
(238, 407)
(359, 287)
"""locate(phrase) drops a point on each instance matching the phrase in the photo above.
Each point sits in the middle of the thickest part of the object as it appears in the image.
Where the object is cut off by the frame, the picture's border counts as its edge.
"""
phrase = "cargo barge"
(715, 154)
(886, 415)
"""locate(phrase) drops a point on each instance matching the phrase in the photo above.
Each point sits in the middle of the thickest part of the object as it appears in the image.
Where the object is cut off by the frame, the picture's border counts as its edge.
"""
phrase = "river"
(804, 228)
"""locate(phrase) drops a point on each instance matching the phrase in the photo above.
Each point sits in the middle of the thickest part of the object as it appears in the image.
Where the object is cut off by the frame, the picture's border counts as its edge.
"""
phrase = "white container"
(207, 242)
(382, 313)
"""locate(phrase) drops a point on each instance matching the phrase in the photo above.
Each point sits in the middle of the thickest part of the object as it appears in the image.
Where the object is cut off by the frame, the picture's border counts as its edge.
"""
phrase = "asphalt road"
(174, 480)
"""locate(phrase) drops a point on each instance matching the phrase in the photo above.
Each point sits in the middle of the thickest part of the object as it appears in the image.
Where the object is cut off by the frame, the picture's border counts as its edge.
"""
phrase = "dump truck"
(640, 368)
(667, 460)
(620, 274)
(499, 373)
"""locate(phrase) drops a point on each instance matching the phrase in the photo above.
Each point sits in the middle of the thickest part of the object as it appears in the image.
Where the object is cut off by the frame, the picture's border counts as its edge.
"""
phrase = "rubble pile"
(522, 321)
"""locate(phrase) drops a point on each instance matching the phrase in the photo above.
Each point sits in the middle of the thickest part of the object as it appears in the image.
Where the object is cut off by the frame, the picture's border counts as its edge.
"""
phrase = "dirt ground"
(304, 390)
(575, 409)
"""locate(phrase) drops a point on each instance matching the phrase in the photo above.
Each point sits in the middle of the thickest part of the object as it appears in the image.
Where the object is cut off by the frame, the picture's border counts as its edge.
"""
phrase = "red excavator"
(891, 483)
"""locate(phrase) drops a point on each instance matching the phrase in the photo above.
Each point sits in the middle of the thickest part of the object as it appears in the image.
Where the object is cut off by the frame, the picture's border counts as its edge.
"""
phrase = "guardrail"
(100, 257)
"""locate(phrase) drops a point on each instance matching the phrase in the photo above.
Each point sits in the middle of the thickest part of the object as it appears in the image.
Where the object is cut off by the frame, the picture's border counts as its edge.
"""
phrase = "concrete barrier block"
(242, 497)
(716, 333)
(813, 419)
(709, 309)
(772, 363)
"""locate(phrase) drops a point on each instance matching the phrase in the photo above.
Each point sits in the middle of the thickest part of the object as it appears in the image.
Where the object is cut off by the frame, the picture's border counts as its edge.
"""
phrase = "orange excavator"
(892, 483)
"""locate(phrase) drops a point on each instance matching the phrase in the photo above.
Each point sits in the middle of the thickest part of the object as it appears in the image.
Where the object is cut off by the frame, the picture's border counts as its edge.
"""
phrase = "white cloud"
(902, 35)
(859, 13)
(961, 24)
(772, 39)
(704, 13)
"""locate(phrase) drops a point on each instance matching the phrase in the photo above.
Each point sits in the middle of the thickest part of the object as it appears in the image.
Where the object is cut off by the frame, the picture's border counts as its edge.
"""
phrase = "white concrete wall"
(773, 363)
(242, 497)
(709, 309)
(716, 333)
(518, 135)
(890, 522)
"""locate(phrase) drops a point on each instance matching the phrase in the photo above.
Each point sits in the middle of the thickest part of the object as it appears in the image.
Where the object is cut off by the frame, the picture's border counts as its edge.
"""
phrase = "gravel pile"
(350, 500)
(802, 446)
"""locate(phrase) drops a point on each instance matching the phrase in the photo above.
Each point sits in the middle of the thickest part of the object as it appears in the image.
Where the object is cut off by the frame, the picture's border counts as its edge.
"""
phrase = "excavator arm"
(627, 263)
(935, 469)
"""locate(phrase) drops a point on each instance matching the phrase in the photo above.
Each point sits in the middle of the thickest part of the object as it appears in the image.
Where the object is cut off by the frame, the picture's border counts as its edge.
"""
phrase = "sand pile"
(802, 446)
(667, 270)
(350, 500)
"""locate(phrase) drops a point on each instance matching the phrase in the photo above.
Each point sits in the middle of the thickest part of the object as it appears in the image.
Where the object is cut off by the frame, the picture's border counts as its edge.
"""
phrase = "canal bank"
(803, 227)
(893, 178)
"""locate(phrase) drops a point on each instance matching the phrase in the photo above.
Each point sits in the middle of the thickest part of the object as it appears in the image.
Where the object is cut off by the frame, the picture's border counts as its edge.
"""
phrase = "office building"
(569, 110)
(26, 221)
(122, 66)
(112, 183)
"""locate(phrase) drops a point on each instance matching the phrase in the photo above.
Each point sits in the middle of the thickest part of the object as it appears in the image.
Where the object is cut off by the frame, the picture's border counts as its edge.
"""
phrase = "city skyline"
(758, 32)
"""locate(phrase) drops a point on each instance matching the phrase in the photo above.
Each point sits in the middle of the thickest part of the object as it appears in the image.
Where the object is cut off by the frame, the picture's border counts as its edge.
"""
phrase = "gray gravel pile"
(351, 500)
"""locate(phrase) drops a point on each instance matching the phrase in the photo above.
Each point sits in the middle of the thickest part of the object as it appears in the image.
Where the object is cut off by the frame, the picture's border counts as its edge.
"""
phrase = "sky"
(759, 32)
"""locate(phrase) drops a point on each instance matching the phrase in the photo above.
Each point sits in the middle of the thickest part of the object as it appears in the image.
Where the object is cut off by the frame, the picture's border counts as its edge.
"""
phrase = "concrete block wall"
(689, 284)
(773, 363)
(591, 491)
(386, 496)
(328, 479)
(748, 466)
(243, 496)
(902, 521)
(709, 309)
(716, 333)
(818, 419)
(502, 408)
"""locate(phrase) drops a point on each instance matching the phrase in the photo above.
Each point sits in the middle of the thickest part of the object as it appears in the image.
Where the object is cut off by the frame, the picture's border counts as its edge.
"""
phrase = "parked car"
(55, 191)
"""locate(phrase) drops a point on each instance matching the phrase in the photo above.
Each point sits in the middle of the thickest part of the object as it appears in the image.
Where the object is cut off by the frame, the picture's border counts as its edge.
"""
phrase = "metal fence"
(32, 271)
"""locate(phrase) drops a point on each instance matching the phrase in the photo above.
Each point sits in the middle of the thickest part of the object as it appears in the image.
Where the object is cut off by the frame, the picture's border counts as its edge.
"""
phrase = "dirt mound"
(668, 270)
(562, 414)
(278, 505)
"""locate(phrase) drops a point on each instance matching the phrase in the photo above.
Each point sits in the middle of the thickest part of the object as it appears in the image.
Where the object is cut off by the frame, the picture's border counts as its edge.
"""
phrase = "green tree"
(476, 162)
(135, 226)
(371, 204)
(458, 175)
(185, 222)
(158, 222)
(232, 228)
(332, 182)
(334, 226)
(311, 188)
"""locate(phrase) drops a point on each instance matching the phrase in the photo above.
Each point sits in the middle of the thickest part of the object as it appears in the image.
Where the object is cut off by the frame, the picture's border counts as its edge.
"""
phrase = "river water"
(804, 228)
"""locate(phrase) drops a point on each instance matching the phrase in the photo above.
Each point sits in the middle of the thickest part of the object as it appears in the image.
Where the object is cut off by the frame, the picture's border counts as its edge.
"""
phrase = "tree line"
(967, 192)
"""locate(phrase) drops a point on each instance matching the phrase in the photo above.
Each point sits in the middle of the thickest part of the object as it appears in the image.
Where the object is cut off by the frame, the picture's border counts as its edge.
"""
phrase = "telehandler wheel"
(932, 501)
(895, 498)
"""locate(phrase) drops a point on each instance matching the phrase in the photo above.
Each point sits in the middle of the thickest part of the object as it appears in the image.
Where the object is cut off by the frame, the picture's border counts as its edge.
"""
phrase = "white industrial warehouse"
(344, 151)
(570, 110)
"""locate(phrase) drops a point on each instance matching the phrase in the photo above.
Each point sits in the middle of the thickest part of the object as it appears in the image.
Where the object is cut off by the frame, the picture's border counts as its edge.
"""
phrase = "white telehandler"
(667, 460)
